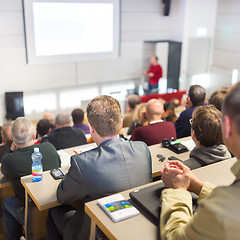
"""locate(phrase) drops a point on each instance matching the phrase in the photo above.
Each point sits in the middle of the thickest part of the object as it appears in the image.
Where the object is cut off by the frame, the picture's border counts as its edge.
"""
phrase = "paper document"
(64, 156)
(189, 144)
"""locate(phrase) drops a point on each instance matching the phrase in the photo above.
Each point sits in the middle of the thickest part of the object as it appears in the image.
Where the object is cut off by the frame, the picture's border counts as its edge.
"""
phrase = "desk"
(154, 149)
(43, 193)
(140, 227)
(158, 149)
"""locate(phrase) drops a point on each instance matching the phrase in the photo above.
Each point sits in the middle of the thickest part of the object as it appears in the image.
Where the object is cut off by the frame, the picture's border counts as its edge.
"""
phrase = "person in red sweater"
(157, 129)
(154, 74)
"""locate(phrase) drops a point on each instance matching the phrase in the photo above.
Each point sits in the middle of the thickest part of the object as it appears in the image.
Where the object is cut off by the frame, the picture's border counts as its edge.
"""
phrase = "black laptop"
(147, 201)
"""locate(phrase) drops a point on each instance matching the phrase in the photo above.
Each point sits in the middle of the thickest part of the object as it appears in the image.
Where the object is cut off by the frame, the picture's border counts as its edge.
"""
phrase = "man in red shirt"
(154, 73)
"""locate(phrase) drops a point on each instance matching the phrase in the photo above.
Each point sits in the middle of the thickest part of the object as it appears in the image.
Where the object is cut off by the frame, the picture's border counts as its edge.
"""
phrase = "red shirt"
(157, 71)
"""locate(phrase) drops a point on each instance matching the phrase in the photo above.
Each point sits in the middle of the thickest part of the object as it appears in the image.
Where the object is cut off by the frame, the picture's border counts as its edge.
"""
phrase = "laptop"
(147, 201)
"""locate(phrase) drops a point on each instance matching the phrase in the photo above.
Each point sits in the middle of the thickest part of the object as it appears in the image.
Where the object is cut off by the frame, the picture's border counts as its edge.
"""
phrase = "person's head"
(137, 113)
(77, 115)
(206, 126)
(49, 116)
(43, 127)
(169, 109)
(133, 101)
(154, 60)
(175, 101)
(6, 133)
(196, 95)
(218, 96)
(154, 110)
(63, 120)
(22, 132)
(104, 116)
(231, 120)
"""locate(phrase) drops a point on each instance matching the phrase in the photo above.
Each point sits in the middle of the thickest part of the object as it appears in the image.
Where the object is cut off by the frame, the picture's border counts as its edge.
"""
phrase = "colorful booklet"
(117, 207)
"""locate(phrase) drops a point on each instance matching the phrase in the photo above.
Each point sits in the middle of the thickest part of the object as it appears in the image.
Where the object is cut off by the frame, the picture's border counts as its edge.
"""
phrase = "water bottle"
(37, 168)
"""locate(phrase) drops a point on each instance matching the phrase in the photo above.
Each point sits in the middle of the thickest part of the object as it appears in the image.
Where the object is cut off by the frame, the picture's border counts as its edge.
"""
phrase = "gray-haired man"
(17, 164)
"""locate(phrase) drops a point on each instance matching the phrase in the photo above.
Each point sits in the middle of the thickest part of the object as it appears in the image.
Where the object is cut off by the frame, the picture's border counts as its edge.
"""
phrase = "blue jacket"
(182, 125)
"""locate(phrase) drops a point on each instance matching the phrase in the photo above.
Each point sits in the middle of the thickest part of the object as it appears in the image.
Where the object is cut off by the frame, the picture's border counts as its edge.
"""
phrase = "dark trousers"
(64, 222)
(152, 88)
(56, 222)
(13, 218)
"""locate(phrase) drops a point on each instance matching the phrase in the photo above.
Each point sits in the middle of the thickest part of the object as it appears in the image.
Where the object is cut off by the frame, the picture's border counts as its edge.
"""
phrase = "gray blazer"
(115, 165)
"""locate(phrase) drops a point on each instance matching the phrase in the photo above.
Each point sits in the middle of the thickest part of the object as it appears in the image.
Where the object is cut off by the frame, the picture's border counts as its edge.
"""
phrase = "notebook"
(117, 207)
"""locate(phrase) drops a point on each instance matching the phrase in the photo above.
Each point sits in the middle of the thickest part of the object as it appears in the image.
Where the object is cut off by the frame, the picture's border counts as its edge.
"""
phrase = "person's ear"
(91, 129)
(227, 127)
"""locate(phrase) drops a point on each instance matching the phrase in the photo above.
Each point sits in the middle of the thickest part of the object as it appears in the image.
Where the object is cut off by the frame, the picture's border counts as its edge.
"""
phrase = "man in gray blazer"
(115, 165)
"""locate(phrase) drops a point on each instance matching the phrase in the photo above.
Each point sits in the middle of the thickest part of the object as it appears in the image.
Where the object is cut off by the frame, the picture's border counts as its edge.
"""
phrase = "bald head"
(154, 110)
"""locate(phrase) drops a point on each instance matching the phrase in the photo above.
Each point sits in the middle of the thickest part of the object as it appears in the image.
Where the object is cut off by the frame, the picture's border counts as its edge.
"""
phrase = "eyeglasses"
(190, 121)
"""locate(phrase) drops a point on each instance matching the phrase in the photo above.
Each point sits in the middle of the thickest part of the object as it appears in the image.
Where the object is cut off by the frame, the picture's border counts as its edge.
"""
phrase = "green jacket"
(18, 163)
(217, 216)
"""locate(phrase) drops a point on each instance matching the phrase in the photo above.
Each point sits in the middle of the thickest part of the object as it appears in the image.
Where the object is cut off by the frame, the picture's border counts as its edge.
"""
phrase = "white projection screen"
(70, 31)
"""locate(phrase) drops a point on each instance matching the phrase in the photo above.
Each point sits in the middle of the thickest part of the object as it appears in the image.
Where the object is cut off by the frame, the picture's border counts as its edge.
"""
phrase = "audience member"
(157, 130)
(218, 96)
(18, 164)
(133, 101)
(64, 136)
(43, 129)
(196, 97)
(78, 116)
(136, 116)
(175, 101)
(207, 135)
(218, 214)
(6, 140)
(49, 116)
(169, 112)
(115, 165)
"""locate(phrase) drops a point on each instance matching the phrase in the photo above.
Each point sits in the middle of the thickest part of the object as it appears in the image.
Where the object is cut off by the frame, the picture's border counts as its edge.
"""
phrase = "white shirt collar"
(156, 121)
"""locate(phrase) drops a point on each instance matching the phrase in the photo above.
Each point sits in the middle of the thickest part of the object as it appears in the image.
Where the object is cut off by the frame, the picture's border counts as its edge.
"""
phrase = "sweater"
(19, 163)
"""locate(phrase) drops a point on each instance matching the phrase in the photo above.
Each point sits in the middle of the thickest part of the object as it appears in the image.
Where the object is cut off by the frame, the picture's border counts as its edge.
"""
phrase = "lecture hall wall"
(141, 20)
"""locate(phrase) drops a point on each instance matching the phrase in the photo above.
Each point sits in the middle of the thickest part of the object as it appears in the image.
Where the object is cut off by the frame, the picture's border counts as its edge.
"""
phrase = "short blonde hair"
(206, 123)
(104, 114)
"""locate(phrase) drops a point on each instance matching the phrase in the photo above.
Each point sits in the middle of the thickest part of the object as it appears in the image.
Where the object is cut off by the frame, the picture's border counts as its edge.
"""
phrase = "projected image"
(73, 28)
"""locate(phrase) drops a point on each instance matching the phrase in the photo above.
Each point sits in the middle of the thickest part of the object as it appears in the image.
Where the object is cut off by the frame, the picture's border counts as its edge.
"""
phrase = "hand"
(145, 72)
(142, 118)
(150, 74)
(176, 175)
(177, 168)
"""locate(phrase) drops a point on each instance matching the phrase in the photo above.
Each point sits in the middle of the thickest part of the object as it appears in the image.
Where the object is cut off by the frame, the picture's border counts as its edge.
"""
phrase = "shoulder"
(78, 131)
(46, 145)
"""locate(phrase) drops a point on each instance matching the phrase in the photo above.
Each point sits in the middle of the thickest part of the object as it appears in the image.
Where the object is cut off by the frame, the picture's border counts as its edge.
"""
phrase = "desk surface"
(140, 227)
(158, 149)
(43, 193)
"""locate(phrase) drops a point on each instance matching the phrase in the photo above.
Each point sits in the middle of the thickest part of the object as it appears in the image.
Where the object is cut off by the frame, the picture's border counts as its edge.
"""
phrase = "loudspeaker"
(14, 105)
(166, 7)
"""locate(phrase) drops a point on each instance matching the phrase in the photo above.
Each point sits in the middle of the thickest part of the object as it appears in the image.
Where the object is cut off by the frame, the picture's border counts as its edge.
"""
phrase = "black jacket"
(66, 137)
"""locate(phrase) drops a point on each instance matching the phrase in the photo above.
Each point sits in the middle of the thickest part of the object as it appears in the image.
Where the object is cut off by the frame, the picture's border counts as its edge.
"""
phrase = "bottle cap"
(36, 149)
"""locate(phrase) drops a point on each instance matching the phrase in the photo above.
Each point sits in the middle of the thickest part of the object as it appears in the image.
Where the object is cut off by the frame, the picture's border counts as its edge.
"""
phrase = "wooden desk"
(158, 149)
(140, 227)
(43, 193)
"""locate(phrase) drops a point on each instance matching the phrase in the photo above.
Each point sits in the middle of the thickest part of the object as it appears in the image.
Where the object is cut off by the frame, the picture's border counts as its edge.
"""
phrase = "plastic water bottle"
(37, 168)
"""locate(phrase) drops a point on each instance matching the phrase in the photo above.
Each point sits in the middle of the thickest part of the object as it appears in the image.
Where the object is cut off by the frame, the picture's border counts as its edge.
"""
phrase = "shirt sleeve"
(177, 220)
